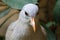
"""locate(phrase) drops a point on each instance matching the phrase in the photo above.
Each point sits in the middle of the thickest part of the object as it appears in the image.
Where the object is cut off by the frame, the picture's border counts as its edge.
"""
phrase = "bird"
(24, 28)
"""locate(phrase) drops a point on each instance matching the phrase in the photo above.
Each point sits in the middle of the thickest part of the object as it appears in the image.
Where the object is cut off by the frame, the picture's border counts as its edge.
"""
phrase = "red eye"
(26, 13)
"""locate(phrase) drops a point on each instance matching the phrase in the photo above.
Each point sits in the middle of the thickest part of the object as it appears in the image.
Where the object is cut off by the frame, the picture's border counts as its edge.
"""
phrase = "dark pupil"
(26, 13)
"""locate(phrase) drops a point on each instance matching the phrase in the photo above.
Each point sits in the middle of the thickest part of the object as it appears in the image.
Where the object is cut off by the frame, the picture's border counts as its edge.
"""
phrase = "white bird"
(24, 27)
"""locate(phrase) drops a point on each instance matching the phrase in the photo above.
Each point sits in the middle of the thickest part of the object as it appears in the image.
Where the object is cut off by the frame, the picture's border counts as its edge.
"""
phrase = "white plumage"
(22, 28)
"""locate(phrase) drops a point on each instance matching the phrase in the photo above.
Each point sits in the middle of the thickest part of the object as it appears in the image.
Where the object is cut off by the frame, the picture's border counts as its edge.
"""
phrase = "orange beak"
(33, 24)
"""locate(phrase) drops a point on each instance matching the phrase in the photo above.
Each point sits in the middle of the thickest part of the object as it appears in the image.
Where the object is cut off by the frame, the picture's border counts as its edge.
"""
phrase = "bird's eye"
(26, 13)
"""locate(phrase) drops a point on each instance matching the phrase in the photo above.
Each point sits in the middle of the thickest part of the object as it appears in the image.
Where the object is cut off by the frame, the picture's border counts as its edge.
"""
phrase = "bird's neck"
(23, 20)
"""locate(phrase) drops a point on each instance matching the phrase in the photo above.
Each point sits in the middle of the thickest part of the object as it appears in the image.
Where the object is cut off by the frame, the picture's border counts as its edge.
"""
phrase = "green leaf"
(50, 34)
(49, 24)
(56, 11)
(18, 4)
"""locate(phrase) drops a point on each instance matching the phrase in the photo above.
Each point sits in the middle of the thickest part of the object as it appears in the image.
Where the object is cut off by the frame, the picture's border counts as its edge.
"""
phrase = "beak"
(33, 24)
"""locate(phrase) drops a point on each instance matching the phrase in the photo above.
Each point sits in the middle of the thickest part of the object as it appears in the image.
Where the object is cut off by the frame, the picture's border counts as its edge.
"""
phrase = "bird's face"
(29, 13)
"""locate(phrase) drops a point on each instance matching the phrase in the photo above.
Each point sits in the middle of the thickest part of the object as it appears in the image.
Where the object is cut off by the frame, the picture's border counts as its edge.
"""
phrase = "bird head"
(28, 14)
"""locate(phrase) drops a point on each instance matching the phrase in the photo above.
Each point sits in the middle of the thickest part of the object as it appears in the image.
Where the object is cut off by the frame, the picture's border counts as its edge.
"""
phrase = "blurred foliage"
(56, 12)
(49, 24)
(18, 4)
(50, 34)
(2, 38)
